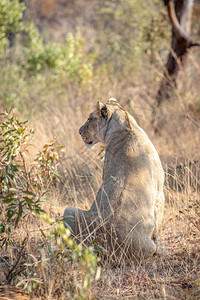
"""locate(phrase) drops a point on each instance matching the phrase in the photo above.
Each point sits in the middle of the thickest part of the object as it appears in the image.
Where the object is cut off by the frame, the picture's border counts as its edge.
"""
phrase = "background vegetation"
(57, 58)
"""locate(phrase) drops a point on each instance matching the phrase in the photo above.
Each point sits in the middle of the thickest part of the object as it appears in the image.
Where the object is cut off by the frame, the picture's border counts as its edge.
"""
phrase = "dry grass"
(176, 275)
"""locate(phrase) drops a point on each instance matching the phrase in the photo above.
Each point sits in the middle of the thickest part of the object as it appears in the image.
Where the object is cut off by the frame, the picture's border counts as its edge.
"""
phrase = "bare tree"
(179, 12)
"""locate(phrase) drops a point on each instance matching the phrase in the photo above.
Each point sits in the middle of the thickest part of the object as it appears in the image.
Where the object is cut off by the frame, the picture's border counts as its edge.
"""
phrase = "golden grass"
(174, 276)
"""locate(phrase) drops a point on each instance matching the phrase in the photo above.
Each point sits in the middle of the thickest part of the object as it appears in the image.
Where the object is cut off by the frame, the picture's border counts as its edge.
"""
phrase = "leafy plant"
(21, 187)
(11, 20)
(142, 28)
(76, 265)
(32, 61)
(64, 59)
(84, 257)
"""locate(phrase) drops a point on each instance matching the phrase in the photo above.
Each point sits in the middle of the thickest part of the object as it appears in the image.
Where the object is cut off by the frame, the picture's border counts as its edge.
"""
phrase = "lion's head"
(95, 128)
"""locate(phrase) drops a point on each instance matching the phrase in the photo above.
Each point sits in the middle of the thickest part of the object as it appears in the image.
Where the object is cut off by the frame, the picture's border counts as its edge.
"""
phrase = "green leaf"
(50, 250)
(20, 211)
(42, 232)
(100, 248)
(2, 228)
(66, 219)
(9, 198)
(28, 200)
(38, 209)
(95, 240)
(13, 190)
(98, 273)
(10, 175)
(10, 214)
(69, 227)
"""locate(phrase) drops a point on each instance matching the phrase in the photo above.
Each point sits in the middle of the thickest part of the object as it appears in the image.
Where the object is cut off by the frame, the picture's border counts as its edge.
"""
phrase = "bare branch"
(177, 28)
(179, 12)
(194, 45)
(192, 120)
(11, 271)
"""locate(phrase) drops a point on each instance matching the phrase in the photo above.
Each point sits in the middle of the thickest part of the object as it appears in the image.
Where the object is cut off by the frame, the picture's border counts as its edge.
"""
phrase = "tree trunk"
(11, 35)
(179, 12)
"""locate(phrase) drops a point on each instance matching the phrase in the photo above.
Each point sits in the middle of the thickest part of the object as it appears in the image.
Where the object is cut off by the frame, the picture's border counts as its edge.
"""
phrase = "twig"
(11, 271)
(25, 169)
(194, 44)
(192, 120)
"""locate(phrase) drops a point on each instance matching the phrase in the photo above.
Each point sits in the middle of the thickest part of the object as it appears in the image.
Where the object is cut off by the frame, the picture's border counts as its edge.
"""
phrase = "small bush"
(11, 21)
(64, 59)
(47, 66)
(142, 29)
(22, 189)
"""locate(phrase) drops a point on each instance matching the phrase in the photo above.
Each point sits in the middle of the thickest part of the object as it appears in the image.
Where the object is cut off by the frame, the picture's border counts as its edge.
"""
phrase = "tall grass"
(173, 275)
(57, 106)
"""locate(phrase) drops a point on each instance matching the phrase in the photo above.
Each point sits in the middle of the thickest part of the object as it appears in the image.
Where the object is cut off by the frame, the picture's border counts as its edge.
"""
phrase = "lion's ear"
(99, 106)
(104, 112)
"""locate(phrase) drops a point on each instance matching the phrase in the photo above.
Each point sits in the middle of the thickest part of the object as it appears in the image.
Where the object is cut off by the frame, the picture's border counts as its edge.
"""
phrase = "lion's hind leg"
(78, 221)
(136, 244)
(144, 247)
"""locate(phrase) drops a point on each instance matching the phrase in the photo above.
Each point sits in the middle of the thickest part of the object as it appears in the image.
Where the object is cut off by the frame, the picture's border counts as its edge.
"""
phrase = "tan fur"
(128, 208)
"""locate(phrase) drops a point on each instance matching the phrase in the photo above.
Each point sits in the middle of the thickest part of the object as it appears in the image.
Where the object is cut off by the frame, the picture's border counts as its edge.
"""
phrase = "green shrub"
(33, 65)
(83, 258)
(22, 187)
(64, 59)
(130, 32)
(11, 20)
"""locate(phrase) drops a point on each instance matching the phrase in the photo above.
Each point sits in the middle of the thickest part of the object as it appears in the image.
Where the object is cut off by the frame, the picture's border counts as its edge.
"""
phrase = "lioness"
(129, 205)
